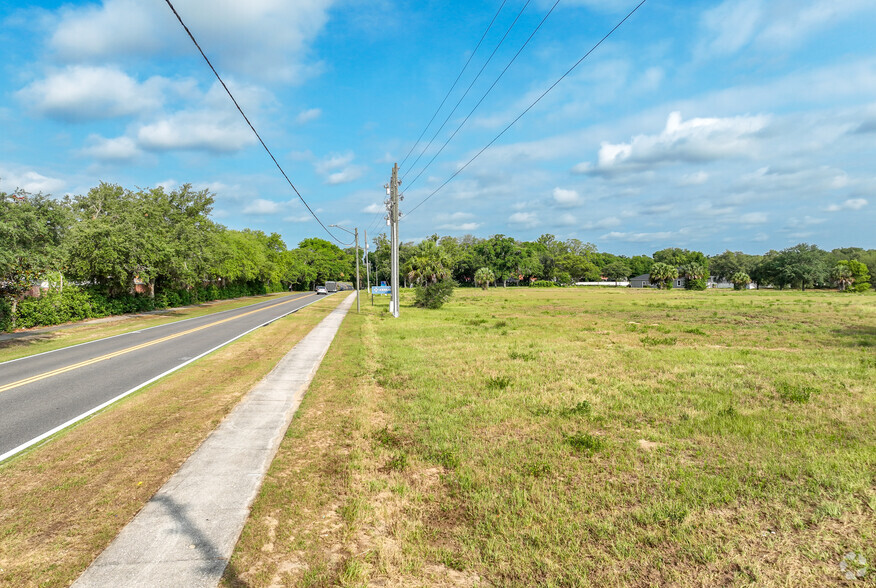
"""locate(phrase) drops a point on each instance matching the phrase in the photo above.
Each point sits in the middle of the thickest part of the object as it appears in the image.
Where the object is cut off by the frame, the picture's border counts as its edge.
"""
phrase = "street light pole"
(355, 233)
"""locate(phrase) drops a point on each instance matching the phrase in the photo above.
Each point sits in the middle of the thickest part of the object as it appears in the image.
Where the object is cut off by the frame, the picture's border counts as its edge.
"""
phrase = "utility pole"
(357, 268)
(367, 266)
(355, 233)
(393, 224)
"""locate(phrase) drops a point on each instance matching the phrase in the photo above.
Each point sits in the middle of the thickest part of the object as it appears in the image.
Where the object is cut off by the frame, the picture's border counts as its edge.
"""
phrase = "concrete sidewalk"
(185, 535)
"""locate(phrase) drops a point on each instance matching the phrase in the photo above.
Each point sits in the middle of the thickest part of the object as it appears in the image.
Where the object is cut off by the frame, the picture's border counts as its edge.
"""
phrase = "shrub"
(542, 284)
(434, 295)
(695, 284)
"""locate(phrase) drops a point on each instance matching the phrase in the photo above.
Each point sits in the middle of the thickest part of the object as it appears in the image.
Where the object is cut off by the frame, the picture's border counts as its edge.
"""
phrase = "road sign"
(381, 289)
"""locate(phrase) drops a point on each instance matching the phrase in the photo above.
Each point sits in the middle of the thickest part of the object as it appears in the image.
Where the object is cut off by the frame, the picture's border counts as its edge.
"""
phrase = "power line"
(490, 89)
(528, 108)
(240, 110)
(483, 67)
(456, 81)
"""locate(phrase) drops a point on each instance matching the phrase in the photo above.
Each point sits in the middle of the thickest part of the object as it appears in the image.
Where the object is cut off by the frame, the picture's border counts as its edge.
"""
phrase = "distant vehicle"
(321, 290)
(331, 286)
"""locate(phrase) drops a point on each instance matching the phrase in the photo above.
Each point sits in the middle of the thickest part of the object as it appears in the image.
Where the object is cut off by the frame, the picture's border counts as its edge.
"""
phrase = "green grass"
(564, 437)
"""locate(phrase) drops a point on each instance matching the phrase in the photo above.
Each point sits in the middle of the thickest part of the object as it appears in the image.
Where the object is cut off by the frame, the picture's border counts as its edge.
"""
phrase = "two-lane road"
(42, 394)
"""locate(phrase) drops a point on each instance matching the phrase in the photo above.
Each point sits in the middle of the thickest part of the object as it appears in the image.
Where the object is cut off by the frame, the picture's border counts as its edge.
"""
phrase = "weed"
(585, 443)
(728, 412)
(538, 469)
(795, 392)
(448, 458)
(582, 408)
(514, 354)
(498, 382)
(539, 410)
(386, 438)
(398, 463)
(694, 331)
(351, 511)
(500, 324)
(649, 341)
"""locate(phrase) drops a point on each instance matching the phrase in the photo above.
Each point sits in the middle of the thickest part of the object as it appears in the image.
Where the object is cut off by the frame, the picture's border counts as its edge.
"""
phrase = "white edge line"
(100, 407)
(141, 330)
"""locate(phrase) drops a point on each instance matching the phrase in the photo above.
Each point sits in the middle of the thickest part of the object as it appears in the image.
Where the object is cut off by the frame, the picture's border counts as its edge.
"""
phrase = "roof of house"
(642, 277)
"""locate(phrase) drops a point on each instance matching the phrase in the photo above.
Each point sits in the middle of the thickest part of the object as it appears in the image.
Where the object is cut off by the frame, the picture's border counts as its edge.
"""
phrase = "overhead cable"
(528, 108)
(456, 81)
(467, 89)
(240, 110)
(490, 89)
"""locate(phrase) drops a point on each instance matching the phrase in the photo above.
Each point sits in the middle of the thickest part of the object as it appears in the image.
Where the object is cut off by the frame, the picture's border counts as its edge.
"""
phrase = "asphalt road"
(43, 393)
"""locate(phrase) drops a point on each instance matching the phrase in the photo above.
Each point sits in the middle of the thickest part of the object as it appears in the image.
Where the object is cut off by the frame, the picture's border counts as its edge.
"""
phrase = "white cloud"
(770, 24)
(851, 204)
(119, 149)
(196, 130)
(298, 219)
(692, 141)
(29, 181)
(456, 216)
(339, 168)
(460, 227)
(345, 175)
(267, 39)
(374, 208)
(656, 237)
(527, 219)
(306, 116)
(262, 206)
(565, 197)
(81, 93)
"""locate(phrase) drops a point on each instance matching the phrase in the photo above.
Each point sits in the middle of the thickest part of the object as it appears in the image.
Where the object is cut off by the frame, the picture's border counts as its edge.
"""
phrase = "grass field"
(63, 502)
(41, 340)
(560, 437)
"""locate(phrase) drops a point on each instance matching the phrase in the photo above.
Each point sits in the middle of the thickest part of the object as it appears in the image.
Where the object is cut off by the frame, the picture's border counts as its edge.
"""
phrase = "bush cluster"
(434, 295)
(543, 284)
(77, 303)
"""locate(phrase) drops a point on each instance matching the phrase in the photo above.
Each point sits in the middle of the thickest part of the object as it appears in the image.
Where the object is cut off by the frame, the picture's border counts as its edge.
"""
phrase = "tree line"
(548, 259)
(119, 250)
(147, 248)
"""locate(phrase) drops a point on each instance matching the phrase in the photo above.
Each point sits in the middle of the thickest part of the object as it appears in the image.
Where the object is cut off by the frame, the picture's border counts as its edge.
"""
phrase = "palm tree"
(695, 273)
(426, 270)
(662, 274)
(483, 277)
(842, 275)
(740, 280)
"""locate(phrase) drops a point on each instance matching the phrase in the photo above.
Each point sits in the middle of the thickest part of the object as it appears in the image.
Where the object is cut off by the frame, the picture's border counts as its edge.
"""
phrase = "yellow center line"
(94, 360)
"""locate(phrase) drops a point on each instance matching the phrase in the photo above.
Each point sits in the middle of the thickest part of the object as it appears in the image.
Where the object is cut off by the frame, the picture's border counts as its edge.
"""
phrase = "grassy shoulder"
(64, 501)
(565, 437)
(48, 338)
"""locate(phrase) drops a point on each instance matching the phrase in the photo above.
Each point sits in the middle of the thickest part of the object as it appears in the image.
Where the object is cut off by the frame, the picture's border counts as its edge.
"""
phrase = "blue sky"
(740, 124)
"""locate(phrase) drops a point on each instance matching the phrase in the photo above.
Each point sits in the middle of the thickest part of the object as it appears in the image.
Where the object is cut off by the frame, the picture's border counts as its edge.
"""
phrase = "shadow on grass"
(857, 335)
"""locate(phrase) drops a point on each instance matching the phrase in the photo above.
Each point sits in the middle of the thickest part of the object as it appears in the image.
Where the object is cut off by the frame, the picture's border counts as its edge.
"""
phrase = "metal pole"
(356, 229)
(367, 266)
(394, 226)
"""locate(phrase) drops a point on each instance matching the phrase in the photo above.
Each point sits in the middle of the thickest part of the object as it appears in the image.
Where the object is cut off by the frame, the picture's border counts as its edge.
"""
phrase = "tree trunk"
(13, 314)
(152, 289)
